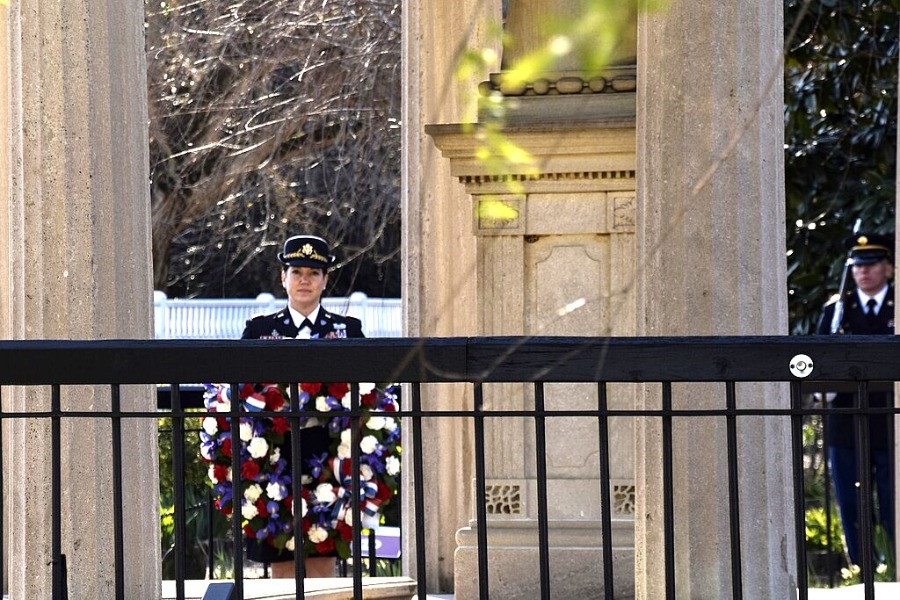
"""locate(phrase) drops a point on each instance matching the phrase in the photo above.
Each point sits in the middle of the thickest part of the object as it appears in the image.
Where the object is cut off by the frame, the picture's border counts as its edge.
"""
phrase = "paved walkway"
(883, 591)
(381, 588)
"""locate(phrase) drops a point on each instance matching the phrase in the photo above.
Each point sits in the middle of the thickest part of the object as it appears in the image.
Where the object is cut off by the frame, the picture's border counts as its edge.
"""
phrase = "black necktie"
(305, 323)
(870, 312)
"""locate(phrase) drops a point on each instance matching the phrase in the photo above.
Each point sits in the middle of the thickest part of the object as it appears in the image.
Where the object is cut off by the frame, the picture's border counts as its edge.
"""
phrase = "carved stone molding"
(618, 80)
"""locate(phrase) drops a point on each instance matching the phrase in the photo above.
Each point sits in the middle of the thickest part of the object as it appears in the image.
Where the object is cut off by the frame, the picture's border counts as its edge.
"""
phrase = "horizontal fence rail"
(808, 364)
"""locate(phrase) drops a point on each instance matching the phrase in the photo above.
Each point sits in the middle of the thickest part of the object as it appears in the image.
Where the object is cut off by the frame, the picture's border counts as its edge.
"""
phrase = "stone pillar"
(76, 213)
(439, 258)
(710, 246)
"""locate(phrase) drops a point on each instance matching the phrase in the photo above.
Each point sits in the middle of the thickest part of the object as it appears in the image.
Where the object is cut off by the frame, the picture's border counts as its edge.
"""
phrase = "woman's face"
(304, 287)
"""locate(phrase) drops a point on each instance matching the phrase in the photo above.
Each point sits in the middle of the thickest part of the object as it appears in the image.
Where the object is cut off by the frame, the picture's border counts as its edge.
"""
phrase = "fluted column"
(710, 231)
(77, 217)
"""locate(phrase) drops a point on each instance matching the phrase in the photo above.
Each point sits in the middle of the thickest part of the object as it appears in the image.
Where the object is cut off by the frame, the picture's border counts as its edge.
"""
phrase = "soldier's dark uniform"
(840, 430)
(314, 440)
(281, 325)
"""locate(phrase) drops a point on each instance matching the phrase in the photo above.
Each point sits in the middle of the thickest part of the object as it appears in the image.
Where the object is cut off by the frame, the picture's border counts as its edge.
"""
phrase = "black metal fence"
(804, 363)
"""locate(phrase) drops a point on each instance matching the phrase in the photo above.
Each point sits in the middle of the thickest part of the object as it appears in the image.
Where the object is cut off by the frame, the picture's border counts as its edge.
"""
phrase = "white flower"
(370, 521)
(212, 474)
(345, 401)
(316, 534)
(325, 494)
(210, 425)
(228, 478)
(392, 465)
(253, 492)
(390, 424)
(365, 388)
(365, 471)
(322, 405)
(246, 432)
(305, 479)
(346, 436)
(290, 544)
(368, 444)
(248, 511)
(204, 452)
(275, 491)
(223, 406)
(303, 508)
(275, 456)
(343, 451)
(258, 447)
(375, 423)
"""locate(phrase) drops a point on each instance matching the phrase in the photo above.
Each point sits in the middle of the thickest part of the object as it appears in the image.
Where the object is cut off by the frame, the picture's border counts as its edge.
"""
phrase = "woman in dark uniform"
(305, 261)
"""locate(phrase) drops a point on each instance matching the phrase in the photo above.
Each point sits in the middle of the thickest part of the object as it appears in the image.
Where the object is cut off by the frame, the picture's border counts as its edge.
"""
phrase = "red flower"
(246, 391)
(384, 492)
(370, 399)
(249, 470)
(220, 472)
(345, 531)
(325, 547)
(274, 399)
(223, 424)
(248, 531)
(311, 388)
(338, 390)
(261, 508)
(226, 447)
(225, 510)
(280, 425)
(306, 525)
(389, 407)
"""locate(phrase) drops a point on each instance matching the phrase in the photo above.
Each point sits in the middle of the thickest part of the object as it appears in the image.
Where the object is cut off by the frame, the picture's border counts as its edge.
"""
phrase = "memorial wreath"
(266, 506)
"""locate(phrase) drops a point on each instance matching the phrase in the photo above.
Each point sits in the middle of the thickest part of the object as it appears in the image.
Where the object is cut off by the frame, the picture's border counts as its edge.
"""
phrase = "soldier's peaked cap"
(306, 251)
(869, 248)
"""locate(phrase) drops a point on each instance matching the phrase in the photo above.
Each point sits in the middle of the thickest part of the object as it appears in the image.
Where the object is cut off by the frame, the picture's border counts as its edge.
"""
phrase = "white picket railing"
(204, 319)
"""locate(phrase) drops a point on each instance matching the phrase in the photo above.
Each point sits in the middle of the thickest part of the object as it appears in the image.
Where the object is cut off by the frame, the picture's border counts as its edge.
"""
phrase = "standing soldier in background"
(868, 309)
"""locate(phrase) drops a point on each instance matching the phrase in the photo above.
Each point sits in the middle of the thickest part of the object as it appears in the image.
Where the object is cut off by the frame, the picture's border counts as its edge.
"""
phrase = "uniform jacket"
(280, 325)
(839, 429)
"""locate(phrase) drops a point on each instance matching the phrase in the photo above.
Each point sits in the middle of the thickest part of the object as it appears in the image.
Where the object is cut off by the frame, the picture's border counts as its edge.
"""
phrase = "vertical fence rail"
(300, 540)
(236, 496)
(3, 581)
(419, 491)
(799, 495)
(481, 495)
(668, 490)
(540, 433)
(59, 575)
(864, 489)
(605, 503)
(355, 436)
(118, 517)
(178, 490)
(734, 511)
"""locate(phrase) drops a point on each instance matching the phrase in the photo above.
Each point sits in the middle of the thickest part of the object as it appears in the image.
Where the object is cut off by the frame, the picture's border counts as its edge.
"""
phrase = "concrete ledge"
(375, 588)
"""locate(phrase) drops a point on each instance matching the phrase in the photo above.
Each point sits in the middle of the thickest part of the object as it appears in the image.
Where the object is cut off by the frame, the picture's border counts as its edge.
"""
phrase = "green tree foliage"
(268, 119)
(840, 138)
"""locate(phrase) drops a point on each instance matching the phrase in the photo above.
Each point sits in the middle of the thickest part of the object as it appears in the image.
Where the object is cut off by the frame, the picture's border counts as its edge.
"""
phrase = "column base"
(576, 560)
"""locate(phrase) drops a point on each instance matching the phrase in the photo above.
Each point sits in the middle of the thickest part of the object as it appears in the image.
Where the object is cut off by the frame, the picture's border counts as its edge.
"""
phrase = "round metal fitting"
(801, 366)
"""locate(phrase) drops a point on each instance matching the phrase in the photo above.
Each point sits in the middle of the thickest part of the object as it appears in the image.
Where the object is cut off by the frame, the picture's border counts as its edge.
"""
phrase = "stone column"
(76, 213)
(439, 296)
(710, 245)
